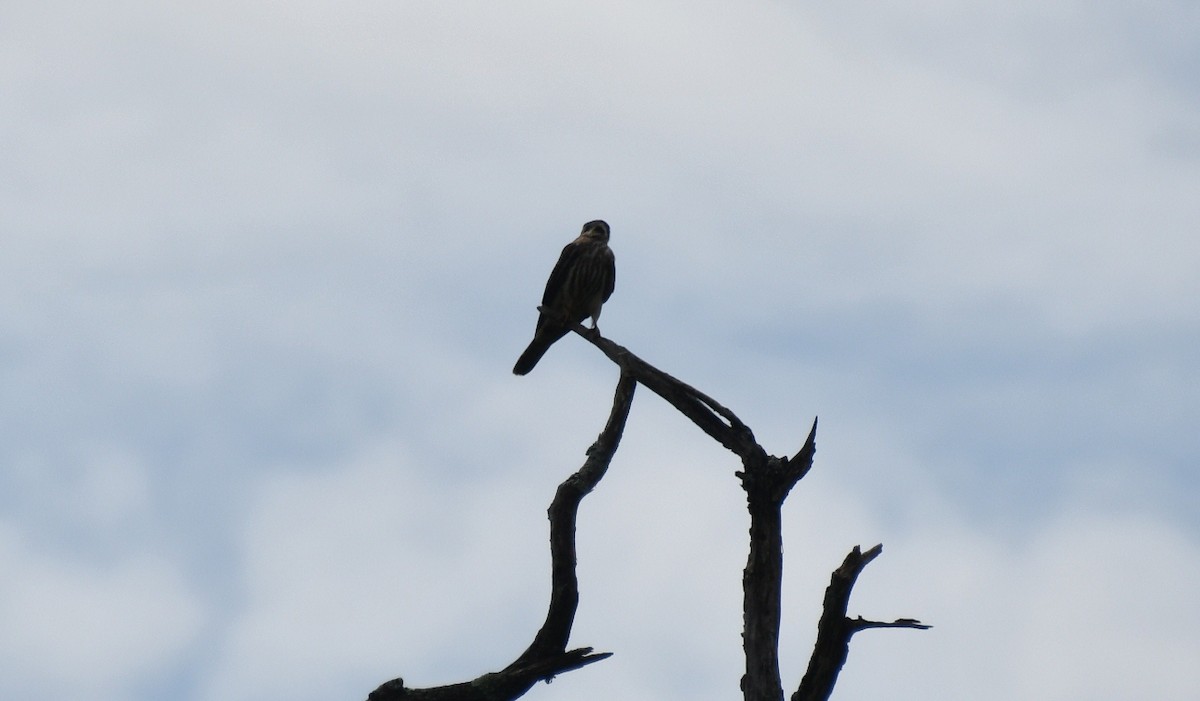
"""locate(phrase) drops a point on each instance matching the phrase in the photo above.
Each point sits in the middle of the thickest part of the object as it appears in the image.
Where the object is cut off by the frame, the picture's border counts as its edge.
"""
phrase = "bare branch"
(861, 623)
(547, 655)
(835, 630)
(767, 481)
(564, 597)
(712, 417)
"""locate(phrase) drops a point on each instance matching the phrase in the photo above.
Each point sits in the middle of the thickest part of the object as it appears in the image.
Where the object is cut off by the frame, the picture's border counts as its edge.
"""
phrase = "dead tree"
(767, 481)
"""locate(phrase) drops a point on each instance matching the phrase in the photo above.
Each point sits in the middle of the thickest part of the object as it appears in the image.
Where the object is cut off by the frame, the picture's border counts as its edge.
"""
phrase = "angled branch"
(564, 596)
(835, 629)
(712, 417)
(547, 655)
(767, 481)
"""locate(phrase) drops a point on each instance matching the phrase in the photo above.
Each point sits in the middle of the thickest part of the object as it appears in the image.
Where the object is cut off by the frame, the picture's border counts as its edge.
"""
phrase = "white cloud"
(1106, 595)
(374, 571)
(102, 631)
(1089, 605)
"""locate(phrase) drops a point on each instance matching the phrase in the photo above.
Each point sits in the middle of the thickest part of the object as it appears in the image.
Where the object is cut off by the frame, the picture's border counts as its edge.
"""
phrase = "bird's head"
(596, 230)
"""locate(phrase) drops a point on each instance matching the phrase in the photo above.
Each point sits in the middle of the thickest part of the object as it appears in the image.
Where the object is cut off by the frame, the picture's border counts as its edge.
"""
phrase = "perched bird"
(582, 280)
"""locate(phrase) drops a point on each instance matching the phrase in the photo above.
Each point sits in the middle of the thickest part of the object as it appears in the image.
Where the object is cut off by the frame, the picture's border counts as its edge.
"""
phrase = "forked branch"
(767, 481)
(835, 629)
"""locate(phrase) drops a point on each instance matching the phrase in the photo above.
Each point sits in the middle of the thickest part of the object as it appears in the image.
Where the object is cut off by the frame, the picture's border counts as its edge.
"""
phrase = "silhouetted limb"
(564, 596)
(767, 481)
(835, 629)
(714, 419)
(547, 655)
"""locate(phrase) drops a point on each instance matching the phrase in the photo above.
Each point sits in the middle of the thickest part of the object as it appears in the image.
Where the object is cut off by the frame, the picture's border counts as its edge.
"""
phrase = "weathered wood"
(547, 655)
(767, 481)
(835, 629)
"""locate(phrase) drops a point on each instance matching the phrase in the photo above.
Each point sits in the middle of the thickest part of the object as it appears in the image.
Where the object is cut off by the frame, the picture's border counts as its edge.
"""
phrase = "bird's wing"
(610, 277)
(558, 276)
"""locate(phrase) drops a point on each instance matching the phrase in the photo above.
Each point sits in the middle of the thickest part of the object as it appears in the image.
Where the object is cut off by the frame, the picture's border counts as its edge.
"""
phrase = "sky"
(266, 267)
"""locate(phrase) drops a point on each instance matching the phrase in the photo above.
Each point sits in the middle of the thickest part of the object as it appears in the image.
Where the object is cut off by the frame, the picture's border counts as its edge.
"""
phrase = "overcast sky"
(265, 268)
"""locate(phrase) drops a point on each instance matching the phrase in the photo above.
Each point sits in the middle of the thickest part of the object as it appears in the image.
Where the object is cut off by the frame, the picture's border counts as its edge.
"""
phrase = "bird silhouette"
(580, 284)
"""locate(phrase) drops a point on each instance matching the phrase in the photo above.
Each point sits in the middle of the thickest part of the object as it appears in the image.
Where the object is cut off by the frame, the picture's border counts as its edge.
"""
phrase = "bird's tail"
(537, 348)
(543, 338)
